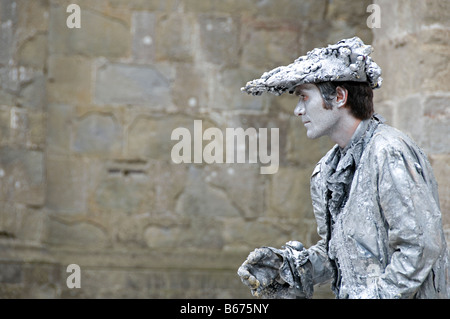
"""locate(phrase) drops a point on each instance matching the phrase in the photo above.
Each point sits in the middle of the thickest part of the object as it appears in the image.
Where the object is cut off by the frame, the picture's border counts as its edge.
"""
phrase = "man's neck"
(344, 130)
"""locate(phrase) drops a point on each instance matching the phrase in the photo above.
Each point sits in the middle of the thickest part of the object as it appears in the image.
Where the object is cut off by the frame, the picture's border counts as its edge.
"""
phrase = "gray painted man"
(374, 195)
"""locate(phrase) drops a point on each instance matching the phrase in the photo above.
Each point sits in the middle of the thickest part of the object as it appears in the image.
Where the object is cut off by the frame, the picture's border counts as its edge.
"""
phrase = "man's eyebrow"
(301, 90)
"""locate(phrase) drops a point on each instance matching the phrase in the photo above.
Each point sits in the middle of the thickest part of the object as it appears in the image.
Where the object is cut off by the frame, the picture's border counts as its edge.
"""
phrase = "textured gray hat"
(347, 60)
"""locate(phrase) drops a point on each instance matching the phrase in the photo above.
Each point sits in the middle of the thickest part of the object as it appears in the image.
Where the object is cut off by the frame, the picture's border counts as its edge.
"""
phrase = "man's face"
(317, 120)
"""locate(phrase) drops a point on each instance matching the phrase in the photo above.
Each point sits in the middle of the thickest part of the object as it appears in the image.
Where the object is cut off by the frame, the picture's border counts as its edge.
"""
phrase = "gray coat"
(387, 240)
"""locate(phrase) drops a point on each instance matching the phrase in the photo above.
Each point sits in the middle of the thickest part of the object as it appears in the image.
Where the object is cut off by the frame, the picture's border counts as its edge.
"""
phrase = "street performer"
(374, 194)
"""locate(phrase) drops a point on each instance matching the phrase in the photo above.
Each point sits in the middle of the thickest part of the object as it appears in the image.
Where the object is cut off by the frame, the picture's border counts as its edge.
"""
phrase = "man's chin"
(312, 136)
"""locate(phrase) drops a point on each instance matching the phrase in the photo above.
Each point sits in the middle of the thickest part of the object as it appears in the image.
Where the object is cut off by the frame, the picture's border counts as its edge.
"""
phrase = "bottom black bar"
(216, 308)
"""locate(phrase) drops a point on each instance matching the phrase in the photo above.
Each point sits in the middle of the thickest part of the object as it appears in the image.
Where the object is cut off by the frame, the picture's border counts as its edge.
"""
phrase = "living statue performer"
(374, 195)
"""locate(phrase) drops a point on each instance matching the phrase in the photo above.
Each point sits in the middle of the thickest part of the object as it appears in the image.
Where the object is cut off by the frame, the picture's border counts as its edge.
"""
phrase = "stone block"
(190, 88)
(11, 273)
(243, 184)
(291, 9)
(436, 123)
(22, 175)
(43, 281)
(36, 130)
(441, 170)
(19, 126)
(150, 137)
(265, 46)
(240, 235)
(32, 17)
(289, 194)
(302, 151)
(10, 220)
(32, 225)
(78, 235)
(225, 52)
(426, 119)
(168, 182)
(66, 191)
(8, 42)
(386, 109)
(121, 84)
(224, 91)
(143, 31)
(116, 193)
(164, 237)
(200, 200)
(436, 12)
(143, 5)
(33, 52)
(97, 134)
(59, 128)
(33, 94)
(5, 123)
(175, 37)
(413, 61)
(69, 80)
(99, 34)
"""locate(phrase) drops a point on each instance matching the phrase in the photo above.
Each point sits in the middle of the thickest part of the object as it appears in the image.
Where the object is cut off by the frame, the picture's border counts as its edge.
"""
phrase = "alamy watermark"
(374, 20)
(74, 279)
(232, 149)
(74, 19)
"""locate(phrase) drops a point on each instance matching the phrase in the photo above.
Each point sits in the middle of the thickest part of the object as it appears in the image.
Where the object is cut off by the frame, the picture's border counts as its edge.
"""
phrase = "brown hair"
(359, 99)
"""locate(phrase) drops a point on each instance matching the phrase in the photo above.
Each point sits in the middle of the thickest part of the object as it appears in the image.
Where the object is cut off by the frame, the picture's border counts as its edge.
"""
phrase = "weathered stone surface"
(33, 95)
(135, 195)
(97, 134)
(5, 123)
(21, 223)
(174, 37)
(132, 85)
(302, 151)
(59, 128)
(289, 195)
(245, 236)
(200, 201)
(437, 123)
(69, 80)
(22, 176)
(441, 170)
(80, 234)
(248, 196)
(231, 80)
(411, 55)
(150, 137)
(189, 88)
(11, 273)
(33, 53)
(99, 35)
(66, 178)
(143, 30)
(226, 51)
(267, 47)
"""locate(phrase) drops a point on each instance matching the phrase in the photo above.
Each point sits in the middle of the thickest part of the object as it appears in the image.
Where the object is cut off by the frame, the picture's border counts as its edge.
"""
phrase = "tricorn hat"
(347, 60)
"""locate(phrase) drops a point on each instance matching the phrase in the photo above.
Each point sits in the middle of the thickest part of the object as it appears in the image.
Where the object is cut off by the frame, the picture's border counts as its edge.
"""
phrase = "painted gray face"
(318, 121)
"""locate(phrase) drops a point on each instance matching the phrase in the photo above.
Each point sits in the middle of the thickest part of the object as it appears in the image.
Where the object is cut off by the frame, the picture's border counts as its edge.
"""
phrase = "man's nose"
(299, 110)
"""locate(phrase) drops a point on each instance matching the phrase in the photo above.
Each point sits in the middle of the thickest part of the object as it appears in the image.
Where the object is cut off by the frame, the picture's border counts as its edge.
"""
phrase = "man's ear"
(341, 96)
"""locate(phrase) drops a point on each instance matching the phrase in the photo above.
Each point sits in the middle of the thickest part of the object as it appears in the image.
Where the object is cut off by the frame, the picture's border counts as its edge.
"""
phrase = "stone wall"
(86, 117)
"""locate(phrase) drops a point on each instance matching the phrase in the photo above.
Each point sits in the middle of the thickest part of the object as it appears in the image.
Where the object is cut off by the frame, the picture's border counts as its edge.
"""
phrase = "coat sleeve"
(318, 256)
(409, 205)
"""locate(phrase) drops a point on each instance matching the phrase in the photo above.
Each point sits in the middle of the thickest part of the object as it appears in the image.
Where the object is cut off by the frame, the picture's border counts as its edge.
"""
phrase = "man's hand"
(260, 270)
(275, 273)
